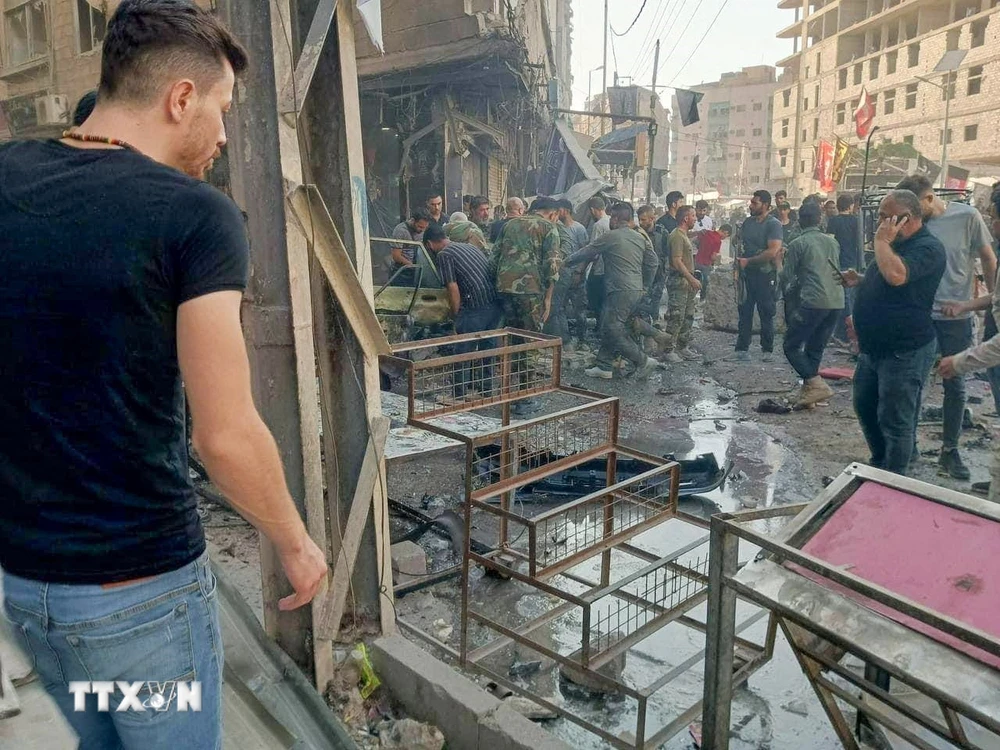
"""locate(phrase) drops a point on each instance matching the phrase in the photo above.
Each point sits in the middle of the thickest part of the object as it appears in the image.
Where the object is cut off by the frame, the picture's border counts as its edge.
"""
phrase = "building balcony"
(789, 4)
(791, 31)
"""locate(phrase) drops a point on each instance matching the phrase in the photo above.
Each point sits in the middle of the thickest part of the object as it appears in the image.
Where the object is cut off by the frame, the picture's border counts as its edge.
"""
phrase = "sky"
(743, 35)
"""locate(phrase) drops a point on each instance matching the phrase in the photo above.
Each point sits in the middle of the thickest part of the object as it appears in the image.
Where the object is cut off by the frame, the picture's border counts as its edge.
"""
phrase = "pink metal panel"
(941, 557)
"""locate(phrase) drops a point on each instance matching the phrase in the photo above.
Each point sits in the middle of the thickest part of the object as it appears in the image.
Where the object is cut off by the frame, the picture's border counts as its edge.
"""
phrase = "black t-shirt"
(898, 318)
(845, 229)
(667, 223)
(98, 250)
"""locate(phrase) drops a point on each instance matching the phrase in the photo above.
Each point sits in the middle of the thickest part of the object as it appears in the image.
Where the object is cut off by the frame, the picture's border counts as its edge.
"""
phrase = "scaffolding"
(605, 590)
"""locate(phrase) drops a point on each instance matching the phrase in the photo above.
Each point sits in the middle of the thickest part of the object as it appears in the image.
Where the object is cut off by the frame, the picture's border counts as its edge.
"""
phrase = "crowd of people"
(639, 274)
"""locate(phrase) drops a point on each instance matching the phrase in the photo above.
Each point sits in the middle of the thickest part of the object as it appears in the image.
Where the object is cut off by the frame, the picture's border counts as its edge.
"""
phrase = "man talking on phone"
(892, 315)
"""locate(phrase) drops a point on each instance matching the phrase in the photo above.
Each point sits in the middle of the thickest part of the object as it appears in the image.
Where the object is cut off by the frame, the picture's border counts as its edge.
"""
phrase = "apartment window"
(890, 62)
(842, 78)
(951, 42)
(784, 128)
(913, 52)
(975, 80)
(816, 127)
(805, 134)
(971, 132)
(816, 96)
(979, 33)
(758, 107)
(941, 137)
(802, 166)
(26, 31)
(755, 179)
(756, 155)
(740, 132)
(786, 97)
(908, 140)
(948, 92)
(842, 113)
(783, 157)
(758, 131)
(805, 104)
(741, 108)
(890, 102)
(911, 96)
(857, 74)
(91, 24)
(807, 71)
(873, 66)
(819, 63)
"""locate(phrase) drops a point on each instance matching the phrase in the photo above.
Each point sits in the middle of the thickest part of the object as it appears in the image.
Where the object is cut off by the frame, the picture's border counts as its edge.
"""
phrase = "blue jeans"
(161, 629)
(887, 393)
(953, 336)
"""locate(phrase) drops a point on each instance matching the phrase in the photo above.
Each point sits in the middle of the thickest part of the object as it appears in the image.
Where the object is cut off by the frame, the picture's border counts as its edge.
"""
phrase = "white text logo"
(157, 697)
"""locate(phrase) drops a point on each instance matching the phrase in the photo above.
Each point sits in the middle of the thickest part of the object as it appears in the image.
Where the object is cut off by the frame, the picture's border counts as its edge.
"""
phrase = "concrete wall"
(860, 55)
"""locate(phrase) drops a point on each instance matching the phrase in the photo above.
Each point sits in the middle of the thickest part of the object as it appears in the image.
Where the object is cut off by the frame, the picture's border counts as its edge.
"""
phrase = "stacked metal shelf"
(586, 560)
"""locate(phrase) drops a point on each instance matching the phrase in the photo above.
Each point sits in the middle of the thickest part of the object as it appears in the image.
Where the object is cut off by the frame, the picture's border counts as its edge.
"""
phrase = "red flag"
(823, 173)
(864, 115)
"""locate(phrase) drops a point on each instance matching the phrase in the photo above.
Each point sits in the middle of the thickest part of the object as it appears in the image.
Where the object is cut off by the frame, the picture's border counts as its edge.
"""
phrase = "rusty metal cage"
(471, 371)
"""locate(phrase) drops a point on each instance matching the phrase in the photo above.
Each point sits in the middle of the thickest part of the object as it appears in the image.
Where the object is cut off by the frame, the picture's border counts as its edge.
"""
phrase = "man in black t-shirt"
(762, 238)
(121, 272)
(846, 229)
(892, 316)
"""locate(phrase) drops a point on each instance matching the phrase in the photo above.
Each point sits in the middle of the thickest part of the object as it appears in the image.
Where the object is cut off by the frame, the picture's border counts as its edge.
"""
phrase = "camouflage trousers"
(523, 311)
(680, 313)
(615, 335)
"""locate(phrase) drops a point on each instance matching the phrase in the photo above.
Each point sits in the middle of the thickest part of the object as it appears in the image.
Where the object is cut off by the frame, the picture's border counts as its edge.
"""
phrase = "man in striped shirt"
(471, 285)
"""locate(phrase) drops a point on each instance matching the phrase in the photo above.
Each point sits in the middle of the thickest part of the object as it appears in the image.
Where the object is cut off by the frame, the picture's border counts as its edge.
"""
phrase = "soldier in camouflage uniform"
(682, 288)
(526, 258)
(460, 229)
(563, 302)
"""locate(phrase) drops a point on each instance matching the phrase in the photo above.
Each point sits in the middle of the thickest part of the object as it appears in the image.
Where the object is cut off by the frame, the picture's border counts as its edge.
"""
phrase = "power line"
(691, 17)
(670, 12)
(651, 33)
(700, 41)
(634, 21)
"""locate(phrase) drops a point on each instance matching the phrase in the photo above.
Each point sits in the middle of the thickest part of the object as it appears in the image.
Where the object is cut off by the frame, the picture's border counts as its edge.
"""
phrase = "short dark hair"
(478, 201)
(781, 194)
(845, 201)
(701, 204)
(420, 214)
(674, 196)
(810, 215)
(917, 184)
(623, 211)
(543, 203)
(727, 228)
(682, 213)
(565, 203)
(763, 196)
(995, 200)
(598, 203)
(434, 233)
(830, 202)
(432, 196)
(645, 210)
(84, 107)
(149, 40)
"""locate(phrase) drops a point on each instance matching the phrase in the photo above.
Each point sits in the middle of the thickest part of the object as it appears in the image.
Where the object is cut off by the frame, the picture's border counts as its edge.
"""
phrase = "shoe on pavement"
(813, 391)
(767, 357)
(690, 354)
(672, 357)
(738, 357)
(981, 488)
(950, 465)
(598, 372)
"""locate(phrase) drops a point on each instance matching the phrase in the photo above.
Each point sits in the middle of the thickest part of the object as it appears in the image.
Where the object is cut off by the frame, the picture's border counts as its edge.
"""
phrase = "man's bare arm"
(454, 297)
(232, 440)
(989, 260)
(399, 258)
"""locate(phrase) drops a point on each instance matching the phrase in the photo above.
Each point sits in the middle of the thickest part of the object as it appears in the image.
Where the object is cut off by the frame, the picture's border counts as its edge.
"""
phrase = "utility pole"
(604, 73)
(948, 83)
(653, 126)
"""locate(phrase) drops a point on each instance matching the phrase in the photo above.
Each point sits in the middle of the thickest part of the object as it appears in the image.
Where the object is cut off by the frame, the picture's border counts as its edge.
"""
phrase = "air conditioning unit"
(52, 109)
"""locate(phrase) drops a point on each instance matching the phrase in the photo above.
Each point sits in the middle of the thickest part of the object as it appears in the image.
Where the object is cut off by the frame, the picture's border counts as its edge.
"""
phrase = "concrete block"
(433, 692)
(409, 561)
(505, 729)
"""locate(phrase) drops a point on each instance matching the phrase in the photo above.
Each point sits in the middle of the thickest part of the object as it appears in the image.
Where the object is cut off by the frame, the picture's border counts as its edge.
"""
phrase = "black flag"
(687, 105)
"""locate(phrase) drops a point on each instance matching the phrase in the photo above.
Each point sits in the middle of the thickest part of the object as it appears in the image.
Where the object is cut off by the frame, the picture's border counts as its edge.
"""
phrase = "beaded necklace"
(86, 138)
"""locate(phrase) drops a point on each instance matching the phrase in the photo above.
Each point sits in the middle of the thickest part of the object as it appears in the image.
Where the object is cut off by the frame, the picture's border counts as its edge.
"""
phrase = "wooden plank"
(295, 84)
(333, 603)
(316, 226)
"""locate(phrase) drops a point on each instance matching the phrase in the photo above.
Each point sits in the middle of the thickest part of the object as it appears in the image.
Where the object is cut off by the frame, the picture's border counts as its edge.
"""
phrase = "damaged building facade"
(460, 102)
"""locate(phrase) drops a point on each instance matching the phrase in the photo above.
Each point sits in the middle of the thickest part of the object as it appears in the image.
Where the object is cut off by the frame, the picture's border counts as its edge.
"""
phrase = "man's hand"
(546, 308)
(849, 278)
(954, 309)
(947, 368)
(305, 567)
(744, 262)
(888, 228)
(694, 284)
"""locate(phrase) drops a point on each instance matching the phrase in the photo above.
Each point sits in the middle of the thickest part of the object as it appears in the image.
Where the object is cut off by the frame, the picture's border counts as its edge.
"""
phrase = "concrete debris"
(719, 309)
(408, 734)
(588, 681)
(529, 709)
(749, 502)
(524, 668)
(409, 561)
(798, 707)
(442, 630)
